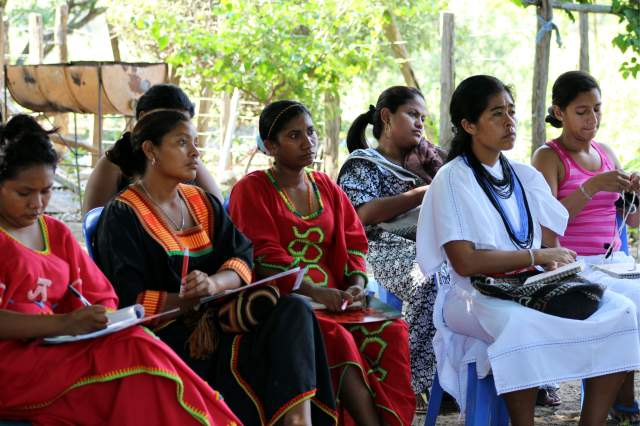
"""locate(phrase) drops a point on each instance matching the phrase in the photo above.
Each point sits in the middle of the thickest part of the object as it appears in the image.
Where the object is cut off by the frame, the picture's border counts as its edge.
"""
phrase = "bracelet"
(584, 192)
(533, 259)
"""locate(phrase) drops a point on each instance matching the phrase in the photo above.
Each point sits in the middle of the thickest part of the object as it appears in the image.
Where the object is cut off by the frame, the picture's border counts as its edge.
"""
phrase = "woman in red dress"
(128, 377)
(298, 217)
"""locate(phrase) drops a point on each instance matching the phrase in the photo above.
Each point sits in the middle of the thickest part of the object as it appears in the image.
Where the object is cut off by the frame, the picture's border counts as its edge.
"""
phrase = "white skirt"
(525, 348)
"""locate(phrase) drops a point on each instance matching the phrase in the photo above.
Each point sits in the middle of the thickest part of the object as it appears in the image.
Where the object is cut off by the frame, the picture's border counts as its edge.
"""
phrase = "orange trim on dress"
(239, 266)
(153, 301)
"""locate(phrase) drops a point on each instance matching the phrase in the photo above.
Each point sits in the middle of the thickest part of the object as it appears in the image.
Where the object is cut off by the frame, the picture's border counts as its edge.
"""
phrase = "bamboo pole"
(447, 77)
(36, 37)
(540, 78)
(584, 41)
(60, 33)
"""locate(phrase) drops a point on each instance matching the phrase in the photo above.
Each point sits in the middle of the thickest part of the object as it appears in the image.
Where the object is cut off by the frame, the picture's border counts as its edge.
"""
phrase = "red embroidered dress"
(331, 242)
(129, 377)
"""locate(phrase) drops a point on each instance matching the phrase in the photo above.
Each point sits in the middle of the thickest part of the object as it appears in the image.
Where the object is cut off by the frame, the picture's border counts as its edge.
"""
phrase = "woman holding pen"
(47, 283)
(158, 233)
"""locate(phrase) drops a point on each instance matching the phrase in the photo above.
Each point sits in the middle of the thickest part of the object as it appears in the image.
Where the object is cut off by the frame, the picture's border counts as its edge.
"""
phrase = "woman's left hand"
(199, 284)
(635, 182)
(357, 292)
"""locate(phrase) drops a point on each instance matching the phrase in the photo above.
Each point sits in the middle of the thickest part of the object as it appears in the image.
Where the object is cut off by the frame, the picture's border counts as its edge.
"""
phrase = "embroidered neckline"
(44, 231)
(288, 202)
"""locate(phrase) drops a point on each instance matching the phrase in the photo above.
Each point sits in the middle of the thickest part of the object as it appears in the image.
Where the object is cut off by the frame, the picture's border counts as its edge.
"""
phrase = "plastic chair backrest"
(89, 224)
(624, 243)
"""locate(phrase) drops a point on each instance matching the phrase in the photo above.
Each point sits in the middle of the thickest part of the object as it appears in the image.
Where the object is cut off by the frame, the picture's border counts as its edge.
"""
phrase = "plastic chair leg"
(435, 399)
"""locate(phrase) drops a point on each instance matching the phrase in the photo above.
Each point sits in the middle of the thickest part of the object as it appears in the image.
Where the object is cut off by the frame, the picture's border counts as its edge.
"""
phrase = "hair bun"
(552, 119)
(371, 114)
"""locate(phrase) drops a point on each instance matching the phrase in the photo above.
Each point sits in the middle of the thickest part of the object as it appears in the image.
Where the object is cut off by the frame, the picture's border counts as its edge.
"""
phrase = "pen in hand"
(83, 299)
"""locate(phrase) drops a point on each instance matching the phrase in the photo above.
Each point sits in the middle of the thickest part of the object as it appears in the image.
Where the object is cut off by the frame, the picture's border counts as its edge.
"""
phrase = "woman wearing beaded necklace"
(486, 215)
(298, 217)
(141, 245)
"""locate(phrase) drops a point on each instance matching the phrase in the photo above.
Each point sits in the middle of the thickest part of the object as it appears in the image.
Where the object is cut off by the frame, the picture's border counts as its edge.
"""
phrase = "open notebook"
(561, 272)
(375, 311)
(620, 270)
(118, 320)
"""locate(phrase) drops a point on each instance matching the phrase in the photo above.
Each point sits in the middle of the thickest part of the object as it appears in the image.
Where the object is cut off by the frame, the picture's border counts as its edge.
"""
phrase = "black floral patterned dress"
(392, 257)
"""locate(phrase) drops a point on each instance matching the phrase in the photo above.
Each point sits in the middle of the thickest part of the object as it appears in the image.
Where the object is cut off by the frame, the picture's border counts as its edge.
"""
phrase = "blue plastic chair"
(89, 224)
(484, 406)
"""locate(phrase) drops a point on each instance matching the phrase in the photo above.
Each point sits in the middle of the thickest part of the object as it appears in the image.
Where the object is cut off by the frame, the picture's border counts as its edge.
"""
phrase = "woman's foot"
(625, 414)
(548, 397)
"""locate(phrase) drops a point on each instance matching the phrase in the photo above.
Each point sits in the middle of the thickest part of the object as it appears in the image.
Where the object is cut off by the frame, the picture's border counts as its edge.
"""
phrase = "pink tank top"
(595, 226)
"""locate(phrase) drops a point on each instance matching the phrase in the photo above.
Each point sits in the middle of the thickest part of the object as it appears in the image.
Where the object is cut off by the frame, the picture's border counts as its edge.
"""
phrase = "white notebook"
(561, 272)
(620, 270)
(118, 320)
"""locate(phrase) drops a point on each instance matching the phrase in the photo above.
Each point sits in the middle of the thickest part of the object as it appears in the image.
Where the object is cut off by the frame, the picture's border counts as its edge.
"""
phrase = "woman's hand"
(612, 181)
(551, 258)
(332, 298)
(84, 320)
(357, 292)
(635, 182)
(199, 284)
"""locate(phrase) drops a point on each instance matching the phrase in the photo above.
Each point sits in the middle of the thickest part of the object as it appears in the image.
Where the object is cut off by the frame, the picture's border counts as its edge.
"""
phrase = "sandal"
(625, 415)
(421, 404)
(548, 397)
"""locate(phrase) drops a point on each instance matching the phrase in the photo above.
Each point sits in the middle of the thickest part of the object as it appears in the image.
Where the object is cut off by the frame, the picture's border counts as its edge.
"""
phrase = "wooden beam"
(584, 41)
(540, 78)
(572, 7)
(36, 37)
(447, 76)
(60, 33)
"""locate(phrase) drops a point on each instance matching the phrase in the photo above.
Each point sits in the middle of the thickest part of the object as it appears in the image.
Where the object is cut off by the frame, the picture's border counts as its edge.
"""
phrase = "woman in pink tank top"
(587, 178)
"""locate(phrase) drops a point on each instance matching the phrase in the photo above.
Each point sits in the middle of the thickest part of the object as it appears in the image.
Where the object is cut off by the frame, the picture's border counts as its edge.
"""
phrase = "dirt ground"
(565, 414)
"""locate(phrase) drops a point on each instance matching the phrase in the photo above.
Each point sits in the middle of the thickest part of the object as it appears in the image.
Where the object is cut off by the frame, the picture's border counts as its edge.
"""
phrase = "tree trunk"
(231, 115)
(115, 43)
(61, 121)
(540, 79)
(332, 131)
(204, 109)
(447, 78)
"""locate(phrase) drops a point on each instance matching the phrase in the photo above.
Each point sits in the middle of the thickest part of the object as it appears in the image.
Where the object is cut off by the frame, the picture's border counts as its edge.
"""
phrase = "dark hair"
(276, 115)
(565, 89)
(152, 127)
(392, 98)
(159, 96)
(468, 101)
(23, 144)
(164, 96)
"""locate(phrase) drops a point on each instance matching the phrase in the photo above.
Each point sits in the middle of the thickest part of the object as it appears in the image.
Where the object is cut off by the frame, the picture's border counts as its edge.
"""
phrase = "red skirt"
(381, 352)
(126, 378)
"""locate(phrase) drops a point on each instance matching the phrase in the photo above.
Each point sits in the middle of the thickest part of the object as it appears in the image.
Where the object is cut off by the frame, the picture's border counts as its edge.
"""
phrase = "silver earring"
(153, 161)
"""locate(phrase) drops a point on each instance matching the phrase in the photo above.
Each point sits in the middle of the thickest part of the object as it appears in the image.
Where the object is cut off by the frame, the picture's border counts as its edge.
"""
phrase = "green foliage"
(629, 12)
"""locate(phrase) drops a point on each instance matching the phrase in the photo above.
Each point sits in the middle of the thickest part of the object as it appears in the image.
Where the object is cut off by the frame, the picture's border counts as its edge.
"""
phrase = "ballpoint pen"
(83, 299)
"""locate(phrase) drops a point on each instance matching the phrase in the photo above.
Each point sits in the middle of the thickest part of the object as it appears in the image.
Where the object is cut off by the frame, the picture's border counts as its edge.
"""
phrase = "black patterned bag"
(572, 297)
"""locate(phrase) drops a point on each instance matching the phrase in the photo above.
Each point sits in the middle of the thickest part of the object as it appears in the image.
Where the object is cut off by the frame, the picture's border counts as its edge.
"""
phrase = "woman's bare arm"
(102, 185)
(383, 209)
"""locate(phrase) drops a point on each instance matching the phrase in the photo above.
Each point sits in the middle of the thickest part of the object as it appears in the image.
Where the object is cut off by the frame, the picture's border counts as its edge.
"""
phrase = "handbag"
(572, 297)
(404, 225)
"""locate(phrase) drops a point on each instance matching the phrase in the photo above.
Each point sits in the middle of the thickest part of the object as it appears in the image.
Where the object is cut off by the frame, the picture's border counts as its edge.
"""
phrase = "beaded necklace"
(312, 187)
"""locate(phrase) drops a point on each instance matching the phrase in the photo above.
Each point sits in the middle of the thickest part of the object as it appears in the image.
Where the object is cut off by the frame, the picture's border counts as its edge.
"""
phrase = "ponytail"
(123, 155)
(356, 135)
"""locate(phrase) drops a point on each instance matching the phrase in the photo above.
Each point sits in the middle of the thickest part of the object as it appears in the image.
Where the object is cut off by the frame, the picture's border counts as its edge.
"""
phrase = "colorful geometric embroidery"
(373, 347)
(288, 203)
(305, 247)
(197, 239)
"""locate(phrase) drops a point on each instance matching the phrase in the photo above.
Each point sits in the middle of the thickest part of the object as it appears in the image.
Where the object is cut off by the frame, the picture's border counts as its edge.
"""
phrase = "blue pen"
(83, 299)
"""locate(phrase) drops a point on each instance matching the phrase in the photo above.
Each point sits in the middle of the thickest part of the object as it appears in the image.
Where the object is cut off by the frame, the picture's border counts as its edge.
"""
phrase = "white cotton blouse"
(522, 347)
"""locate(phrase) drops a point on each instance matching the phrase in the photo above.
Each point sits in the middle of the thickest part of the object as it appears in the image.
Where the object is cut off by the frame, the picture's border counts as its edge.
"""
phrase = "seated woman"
(107, 179)
(296, 217)
(386, 193)
(276, 373)
(124, 378)
(587, 178)
(483, 215)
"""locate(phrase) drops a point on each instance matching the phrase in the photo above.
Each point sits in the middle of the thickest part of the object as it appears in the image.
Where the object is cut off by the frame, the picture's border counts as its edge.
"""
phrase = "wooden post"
(332, 132)
(540, 78)
(115, 43)
(36, 43)
(447, 77)
(230, 129)
(60, 33)
(584, 41)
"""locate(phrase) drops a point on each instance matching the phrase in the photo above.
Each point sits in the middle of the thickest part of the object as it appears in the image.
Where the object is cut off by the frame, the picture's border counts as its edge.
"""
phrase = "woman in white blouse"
(486, 215)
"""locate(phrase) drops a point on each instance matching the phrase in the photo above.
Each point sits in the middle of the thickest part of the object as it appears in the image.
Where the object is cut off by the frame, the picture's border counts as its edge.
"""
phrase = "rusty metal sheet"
(53, 85)
(23, 86)
(125, 83)
(83, 81)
